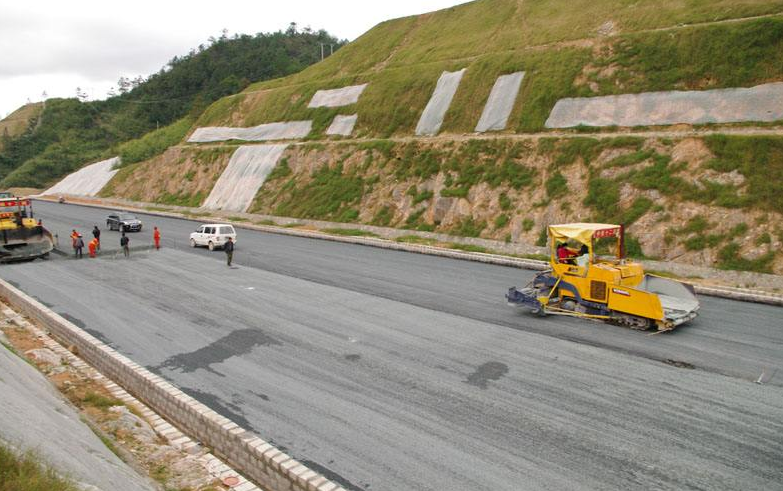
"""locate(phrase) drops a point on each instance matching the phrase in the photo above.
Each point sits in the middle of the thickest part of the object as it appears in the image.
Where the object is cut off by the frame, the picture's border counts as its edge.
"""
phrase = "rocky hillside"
(712, 201)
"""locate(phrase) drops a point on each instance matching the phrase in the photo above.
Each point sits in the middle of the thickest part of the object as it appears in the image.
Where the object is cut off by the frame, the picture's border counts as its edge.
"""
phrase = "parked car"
(213, 235)
(124, 222)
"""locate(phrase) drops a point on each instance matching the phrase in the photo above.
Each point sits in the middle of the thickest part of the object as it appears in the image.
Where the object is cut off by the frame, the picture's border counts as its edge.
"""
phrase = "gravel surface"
(389, 370)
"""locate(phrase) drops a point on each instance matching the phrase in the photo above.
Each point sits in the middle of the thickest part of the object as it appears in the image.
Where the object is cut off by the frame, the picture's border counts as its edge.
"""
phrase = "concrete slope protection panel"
(432, 117)
(245, 174)
(759, 103)
(87, 181)
(270, 131)
(337, 97)
(342, 125)
(500, 103)
(35, 416)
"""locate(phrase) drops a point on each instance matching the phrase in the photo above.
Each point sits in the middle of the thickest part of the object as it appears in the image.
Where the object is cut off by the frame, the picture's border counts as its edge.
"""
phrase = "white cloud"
(57, 46)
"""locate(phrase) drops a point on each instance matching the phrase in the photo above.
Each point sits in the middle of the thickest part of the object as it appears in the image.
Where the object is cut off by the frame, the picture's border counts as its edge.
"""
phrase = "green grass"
(331, 194)
(730, 55)
(556, 186)
(454, 192)
(192, 200)
(415, 239)
(603, 195)
(351, 232)
(758, 159)
(281, 170)
(729, 258)
(468, 227)
(422, 196)
(700, 242)
(28, 472)
(153, 143)
(469, 248)
(504, 201)
(543, 237)
(738, 230)
(383, 217)
(99, 401)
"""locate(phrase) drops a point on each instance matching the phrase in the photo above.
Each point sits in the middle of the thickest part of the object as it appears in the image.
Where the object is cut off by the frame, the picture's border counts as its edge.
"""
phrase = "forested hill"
(69, 132)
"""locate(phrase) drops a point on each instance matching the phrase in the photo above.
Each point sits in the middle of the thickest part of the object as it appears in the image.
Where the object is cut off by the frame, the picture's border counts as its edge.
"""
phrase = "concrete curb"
(739, 294)
(245, 451)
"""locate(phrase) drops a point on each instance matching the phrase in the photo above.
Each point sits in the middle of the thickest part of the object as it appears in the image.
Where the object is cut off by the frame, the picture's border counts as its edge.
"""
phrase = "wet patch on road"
(333, 476)
(680, 364)
(230, 410)
(46, 304)
(237, 343)
(261, 396)
(353, 357)
(99, 335)
(73, 320)
(487, 372)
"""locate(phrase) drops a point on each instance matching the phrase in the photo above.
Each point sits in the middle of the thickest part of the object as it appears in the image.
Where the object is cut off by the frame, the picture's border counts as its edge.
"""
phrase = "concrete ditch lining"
(740, 294)
(245, 451)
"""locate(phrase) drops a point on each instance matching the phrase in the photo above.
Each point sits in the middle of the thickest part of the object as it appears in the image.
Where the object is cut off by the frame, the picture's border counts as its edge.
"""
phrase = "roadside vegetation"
(27, 471)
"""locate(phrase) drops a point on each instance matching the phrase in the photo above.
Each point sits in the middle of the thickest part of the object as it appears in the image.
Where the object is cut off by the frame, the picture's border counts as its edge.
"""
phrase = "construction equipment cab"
(590, 277)
(22, 237)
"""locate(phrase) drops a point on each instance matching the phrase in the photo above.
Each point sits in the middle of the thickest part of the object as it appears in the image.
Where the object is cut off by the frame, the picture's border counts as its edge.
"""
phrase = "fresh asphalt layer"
(389, 370)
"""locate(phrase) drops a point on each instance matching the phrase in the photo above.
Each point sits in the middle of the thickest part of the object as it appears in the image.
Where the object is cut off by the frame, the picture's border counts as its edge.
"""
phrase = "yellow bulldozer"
(590, 277)
(22, 237)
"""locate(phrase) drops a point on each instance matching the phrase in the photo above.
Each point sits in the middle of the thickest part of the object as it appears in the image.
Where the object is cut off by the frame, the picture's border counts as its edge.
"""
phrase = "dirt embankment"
(180, 176)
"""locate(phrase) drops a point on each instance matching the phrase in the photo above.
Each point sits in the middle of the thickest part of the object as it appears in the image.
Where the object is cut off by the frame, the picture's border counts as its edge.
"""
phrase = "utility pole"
(331, 50)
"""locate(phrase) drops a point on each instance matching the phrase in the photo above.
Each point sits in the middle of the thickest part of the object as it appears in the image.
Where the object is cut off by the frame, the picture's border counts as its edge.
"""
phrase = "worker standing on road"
(96, 232)
(229, 247)
(92, 246)
(156, 237)
(74, 236)
(78, 246)
(124, 241)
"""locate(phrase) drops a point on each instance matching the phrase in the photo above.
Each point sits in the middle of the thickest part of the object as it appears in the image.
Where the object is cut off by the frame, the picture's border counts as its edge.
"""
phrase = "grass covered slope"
(620, 47)
(18, 121)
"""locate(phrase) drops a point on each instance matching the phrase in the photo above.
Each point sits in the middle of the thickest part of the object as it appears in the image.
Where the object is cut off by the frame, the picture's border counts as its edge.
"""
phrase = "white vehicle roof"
(216, 225)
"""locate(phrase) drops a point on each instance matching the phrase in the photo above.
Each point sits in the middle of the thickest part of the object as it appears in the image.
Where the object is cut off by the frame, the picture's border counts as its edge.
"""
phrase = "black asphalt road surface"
(388, 370)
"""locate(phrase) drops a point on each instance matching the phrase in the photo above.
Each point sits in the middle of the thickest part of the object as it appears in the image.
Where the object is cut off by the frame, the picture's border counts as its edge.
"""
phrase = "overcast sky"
(56, 46)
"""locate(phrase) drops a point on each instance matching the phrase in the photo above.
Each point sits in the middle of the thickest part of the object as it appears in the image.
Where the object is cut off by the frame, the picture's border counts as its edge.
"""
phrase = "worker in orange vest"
(74, 239)
(93, 246)
(156, 237)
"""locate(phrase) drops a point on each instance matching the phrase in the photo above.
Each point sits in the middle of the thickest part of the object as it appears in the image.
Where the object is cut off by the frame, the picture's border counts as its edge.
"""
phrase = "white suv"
(212, 235)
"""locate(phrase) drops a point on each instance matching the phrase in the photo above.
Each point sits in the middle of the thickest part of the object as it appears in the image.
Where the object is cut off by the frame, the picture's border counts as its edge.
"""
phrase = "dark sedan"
(124, 222)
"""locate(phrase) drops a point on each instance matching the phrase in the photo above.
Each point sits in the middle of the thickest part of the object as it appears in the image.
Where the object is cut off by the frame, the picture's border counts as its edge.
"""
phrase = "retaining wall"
(259, 460)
